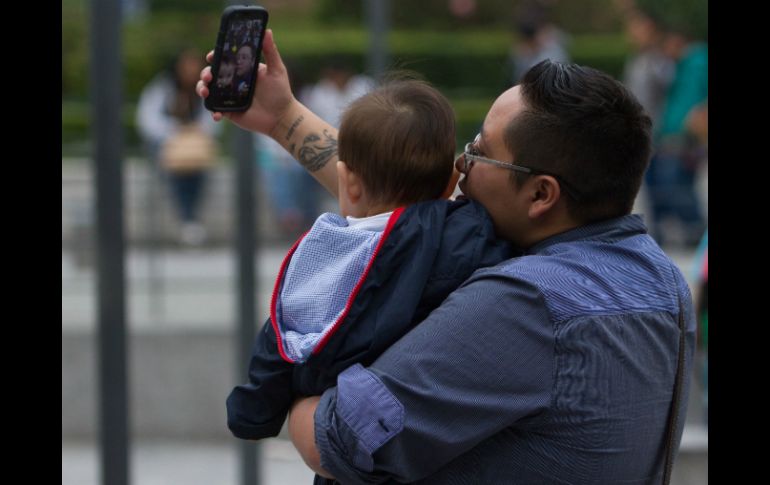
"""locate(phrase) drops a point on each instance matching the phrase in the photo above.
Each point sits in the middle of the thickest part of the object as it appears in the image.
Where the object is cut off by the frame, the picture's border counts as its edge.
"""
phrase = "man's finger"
(206, 74)
(270, 51)
(202, 89)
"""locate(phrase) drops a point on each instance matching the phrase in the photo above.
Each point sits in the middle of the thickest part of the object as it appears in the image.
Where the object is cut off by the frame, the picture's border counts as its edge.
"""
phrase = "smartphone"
(236, 58)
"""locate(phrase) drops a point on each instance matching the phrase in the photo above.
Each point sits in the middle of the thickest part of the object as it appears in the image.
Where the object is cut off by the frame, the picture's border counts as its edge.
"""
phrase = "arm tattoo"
(294, 126)
(315, 152)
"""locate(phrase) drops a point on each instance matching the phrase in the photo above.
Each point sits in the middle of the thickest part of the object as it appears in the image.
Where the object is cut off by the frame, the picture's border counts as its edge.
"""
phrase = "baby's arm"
(258, 409)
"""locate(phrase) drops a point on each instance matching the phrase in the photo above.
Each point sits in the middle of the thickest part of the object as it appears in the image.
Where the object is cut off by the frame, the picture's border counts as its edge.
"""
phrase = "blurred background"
(180, 223)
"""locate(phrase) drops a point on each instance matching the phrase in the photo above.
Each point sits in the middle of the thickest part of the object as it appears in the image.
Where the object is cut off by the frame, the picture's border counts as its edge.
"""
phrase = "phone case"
(219, 98)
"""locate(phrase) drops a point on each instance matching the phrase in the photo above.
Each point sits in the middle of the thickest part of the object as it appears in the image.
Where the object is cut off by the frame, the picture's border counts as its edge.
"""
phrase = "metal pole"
(155, 282)
(106, 87)
(378, 22)
(246, 246)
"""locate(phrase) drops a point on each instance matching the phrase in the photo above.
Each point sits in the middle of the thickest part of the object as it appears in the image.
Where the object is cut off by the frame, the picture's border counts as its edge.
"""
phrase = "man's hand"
(272, 100)
(302, 432)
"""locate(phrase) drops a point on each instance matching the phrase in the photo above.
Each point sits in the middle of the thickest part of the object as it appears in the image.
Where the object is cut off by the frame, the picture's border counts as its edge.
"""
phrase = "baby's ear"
(348, 181)
(450, 188)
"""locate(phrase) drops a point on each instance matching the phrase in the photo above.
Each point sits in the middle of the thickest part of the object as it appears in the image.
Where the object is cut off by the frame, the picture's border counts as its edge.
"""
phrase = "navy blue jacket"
(432, 248)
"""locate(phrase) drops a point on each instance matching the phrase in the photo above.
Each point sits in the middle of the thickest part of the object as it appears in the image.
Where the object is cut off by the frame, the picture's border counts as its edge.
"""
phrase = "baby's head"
(226, 73)
(396, 146)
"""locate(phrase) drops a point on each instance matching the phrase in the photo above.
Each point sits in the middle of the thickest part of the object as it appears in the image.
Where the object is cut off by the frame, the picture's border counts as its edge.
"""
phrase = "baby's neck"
(377, 212)
(370, 211)
(378, 209)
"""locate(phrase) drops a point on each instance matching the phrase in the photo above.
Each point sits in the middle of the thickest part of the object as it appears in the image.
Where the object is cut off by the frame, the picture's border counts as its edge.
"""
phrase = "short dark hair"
(584, 126)
(400, 139)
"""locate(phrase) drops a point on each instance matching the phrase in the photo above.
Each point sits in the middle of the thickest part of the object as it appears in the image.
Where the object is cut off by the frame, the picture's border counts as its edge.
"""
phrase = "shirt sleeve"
(478, 364)
(258, 408)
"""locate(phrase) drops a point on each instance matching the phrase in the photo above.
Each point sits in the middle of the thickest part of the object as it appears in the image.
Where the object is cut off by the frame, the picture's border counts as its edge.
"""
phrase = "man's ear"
(545, 193)
(348, 181)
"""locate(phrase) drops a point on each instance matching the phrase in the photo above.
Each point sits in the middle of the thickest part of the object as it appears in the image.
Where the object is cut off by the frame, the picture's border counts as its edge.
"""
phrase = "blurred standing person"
(698, 126)
(338, 87)
(538, 39)
(168, 107)
(293, 194)
(649, 72)
(673, 168)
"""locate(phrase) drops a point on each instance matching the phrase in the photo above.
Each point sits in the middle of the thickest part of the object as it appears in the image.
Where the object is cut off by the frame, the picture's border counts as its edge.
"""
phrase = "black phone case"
(227, 16)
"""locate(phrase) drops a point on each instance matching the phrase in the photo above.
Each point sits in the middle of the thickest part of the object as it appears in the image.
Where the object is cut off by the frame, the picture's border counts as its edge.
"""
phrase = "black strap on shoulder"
(673, 414)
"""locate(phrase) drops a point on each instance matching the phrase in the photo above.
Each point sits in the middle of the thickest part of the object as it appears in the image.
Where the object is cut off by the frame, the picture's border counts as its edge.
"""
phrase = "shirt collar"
(608, 230)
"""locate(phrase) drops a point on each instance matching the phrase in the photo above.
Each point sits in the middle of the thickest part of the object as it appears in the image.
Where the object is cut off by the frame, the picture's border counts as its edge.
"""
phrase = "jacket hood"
(318, 281)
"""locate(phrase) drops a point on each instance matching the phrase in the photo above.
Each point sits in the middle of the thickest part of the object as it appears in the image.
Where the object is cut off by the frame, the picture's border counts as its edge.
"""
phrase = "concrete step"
(188, 463)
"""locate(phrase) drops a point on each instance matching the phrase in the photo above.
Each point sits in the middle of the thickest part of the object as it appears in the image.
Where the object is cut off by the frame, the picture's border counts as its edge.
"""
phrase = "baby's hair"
(400, 139)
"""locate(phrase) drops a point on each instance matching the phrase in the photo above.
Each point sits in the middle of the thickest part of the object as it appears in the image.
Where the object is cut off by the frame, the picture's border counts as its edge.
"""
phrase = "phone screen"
(236, 57)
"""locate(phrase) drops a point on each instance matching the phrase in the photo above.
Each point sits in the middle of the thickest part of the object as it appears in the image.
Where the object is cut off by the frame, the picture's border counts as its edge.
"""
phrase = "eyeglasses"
(471, 155)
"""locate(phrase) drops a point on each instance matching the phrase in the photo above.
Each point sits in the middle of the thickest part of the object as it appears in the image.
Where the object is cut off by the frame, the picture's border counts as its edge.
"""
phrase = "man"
(555, 367)
(244, 62)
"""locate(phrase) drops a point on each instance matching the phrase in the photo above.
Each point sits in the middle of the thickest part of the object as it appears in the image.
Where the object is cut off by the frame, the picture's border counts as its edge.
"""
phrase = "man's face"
(243, 61)
(491, 185)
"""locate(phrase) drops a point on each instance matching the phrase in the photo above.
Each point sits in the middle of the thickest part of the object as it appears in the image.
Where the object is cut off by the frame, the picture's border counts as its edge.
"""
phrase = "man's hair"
(588, 129)
(400, 139)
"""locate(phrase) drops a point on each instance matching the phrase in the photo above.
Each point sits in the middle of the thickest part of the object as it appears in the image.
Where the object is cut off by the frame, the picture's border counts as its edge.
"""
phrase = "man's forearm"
(312, 142)
(302, 433)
